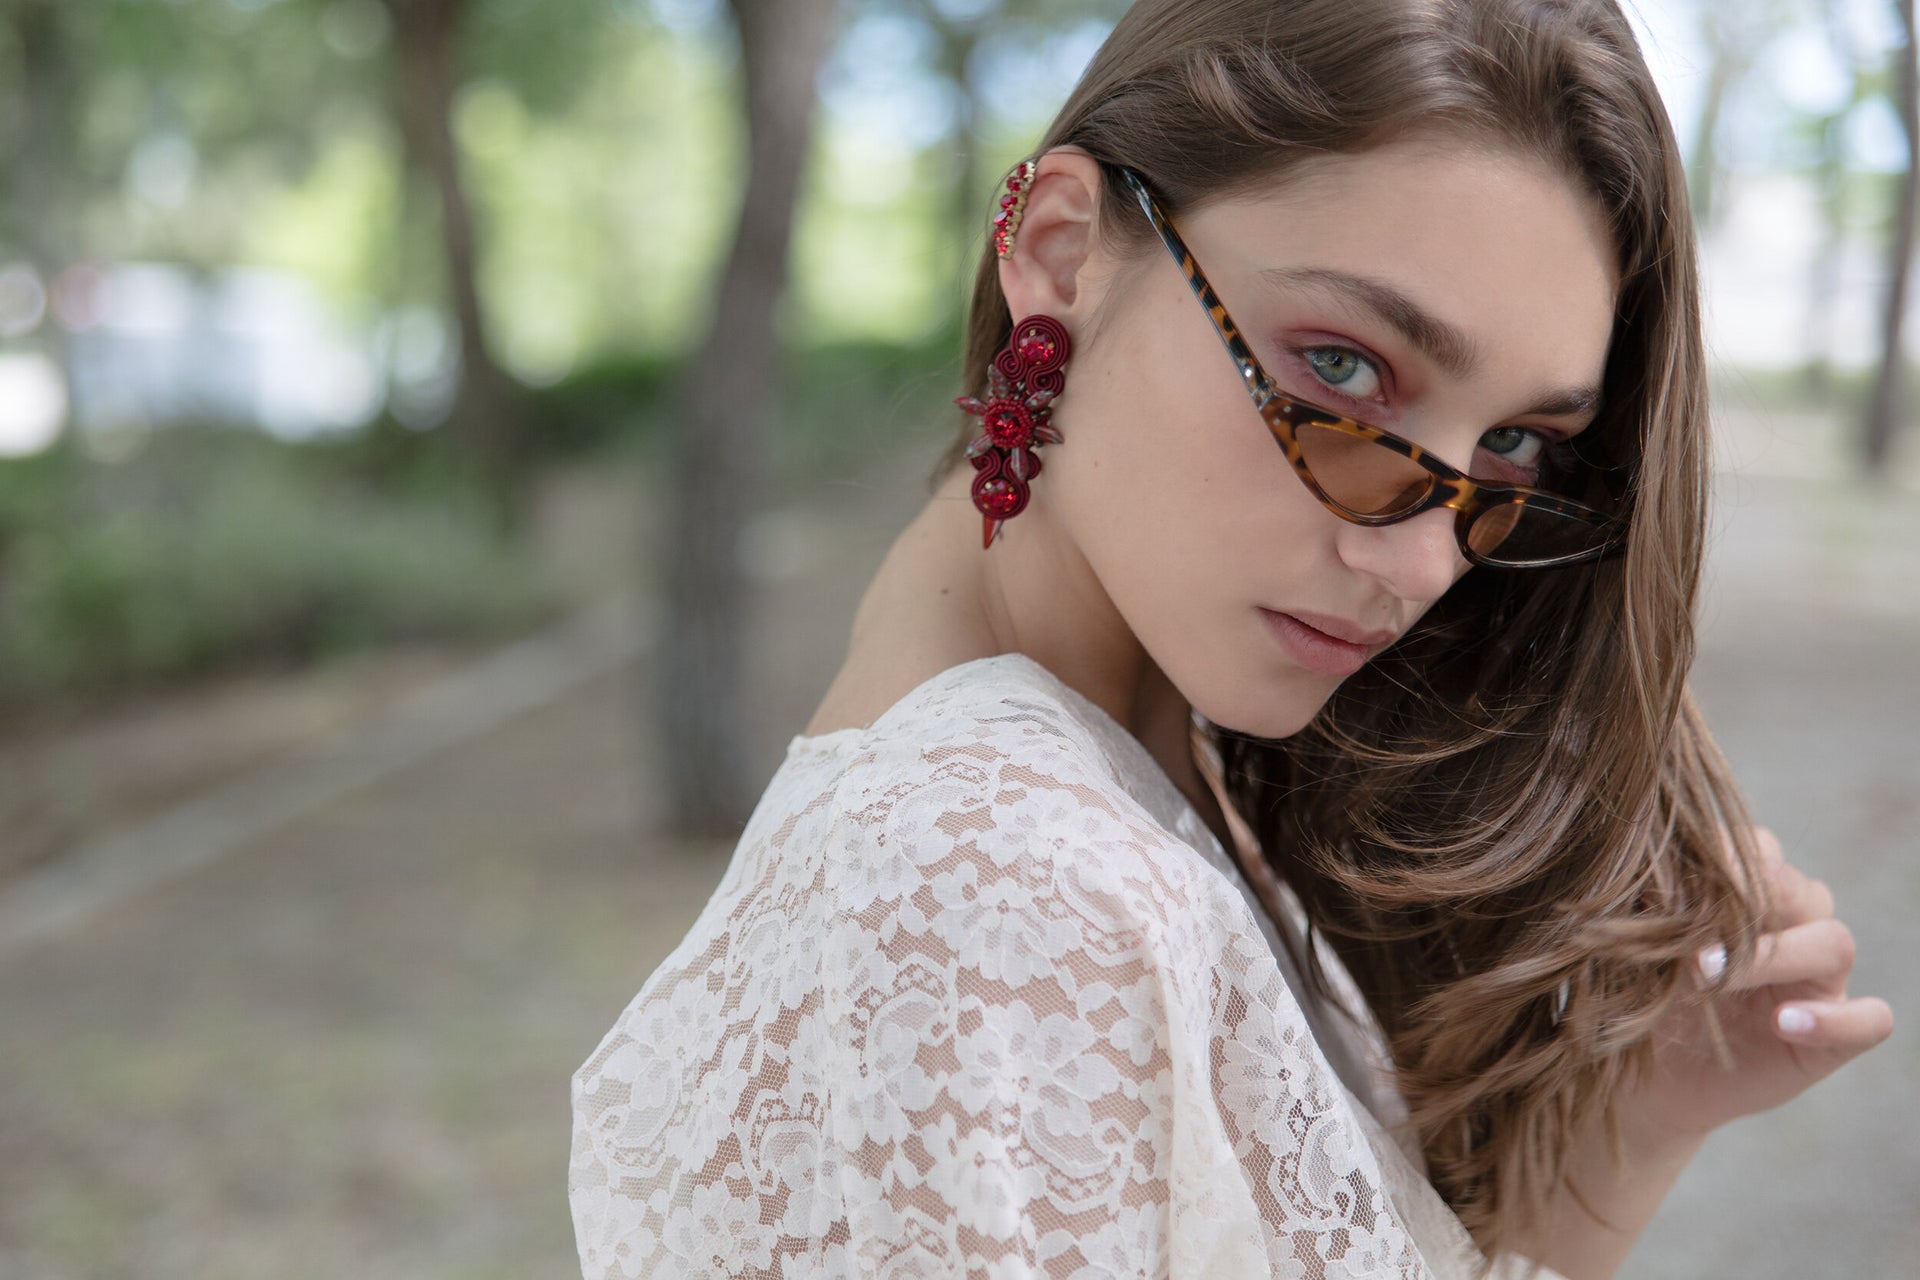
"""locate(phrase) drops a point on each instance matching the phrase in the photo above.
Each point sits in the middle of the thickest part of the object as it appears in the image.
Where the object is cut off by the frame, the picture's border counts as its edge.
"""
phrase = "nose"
(1416, 560)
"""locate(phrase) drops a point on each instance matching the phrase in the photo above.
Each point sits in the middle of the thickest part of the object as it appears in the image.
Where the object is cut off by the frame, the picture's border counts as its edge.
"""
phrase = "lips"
(1341, 629)
(1325, 646)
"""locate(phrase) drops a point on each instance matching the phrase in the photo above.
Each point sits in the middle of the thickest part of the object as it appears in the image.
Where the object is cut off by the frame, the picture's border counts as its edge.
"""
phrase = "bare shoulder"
(872, 679)
(912, 624)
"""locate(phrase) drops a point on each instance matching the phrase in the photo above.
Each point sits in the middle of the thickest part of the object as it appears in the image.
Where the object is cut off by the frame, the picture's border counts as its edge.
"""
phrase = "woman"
(1222, 859)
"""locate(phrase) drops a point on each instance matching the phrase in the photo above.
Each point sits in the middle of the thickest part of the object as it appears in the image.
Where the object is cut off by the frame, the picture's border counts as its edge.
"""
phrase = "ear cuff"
(1013, 202)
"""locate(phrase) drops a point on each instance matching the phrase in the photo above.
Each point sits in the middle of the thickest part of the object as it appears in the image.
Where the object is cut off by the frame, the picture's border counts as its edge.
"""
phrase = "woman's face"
(1459, 296)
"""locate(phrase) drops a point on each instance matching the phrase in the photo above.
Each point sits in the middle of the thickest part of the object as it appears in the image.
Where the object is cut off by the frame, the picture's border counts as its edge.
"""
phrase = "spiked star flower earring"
(1027, 374)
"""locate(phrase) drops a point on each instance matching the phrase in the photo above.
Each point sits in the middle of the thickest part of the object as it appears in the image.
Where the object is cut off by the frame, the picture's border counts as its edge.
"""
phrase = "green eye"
(1519, 453)
(1335, 365)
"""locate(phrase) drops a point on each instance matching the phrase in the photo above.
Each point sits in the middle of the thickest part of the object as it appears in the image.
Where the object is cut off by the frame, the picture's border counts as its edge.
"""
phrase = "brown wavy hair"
(1512, 826)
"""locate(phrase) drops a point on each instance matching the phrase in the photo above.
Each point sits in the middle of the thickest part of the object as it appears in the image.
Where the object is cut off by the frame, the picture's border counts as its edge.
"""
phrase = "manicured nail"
(1713, 961)
(1794, 1021)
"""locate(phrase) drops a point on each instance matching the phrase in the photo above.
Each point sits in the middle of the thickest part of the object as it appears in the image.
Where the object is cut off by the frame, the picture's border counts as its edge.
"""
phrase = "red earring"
(1027, 375)
(1013, 203)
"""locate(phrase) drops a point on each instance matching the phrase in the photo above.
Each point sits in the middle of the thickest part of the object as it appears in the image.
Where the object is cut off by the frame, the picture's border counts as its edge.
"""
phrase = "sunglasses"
(1370, 476)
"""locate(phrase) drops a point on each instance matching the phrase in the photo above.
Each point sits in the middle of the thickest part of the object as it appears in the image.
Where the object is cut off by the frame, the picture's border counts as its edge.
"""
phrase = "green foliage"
(848, 400)
(614, 407)
(601, 150)
(839, 402)
(215, 550)
(549, 50)
(30, 490)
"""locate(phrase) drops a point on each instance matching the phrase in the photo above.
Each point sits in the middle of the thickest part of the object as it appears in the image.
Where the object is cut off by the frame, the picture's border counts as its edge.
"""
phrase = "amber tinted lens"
(1521, 533)
(1360, 473)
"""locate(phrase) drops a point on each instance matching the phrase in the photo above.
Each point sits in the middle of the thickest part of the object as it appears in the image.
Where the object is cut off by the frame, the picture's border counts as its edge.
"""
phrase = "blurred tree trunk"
(41, 186)
(488, 412)
(1735, 33)
(1830, 188)
(1703, 174)
(720, 435)
(1888, 407)
(1823, 275)
(958, 38)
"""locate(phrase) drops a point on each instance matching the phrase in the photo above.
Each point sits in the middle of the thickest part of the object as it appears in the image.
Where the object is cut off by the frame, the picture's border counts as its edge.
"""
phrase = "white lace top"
(980, 994)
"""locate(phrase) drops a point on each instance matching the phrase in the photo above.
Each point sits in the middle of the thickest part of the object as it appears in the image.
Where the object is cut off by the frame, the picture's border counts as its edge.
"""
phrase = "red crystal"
(998, 498)
(1035, 347)
(1008, 424)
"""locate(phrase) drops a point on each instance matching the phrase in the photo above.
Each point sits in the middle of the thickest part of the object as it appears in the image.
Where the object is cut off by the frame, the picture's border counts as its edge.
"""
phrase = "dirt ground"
(345, 1048)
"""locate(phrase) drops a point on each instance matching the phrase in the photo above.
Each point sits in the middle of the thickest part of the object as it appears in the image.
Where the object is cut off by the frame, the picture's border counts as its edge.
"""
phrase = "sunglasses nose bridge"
(1456, 494)
(1462, 497)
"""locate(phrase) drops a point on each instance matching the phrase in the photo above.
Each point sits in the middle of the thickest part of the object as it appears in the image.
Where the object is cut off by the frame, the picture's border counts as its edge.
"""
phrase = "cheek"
(1173, 417)
(1177, 466)
(1178, 496)
(1188, 514)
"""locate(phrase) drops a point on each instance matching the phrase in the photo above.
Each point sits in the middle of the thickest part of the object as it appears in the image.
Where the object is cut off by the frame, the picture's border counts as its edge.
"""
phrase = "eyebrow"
(1443, 343)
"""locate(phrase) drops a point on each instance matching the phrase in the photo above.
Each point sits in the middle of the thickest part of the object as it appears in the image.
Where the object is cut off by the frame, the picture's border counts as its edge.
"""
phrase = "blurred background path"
(344, 1049)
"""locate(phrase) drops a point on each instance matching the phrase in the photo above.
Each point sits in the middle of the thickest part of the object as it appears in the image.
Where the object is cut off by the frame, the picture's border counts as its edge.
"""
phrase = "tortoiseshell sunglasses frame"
(1468, 498)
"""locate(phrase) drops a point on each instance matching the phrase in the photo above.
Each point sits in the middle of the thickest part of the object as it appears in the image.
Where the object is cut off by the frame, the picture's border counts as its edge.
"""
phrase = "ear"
(1056, 237)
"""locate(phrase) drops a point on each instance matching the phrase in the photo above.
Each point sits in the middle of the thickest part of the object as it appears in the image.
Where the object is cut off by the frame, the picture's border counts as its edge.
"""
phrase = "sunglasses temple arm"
(1262, 391)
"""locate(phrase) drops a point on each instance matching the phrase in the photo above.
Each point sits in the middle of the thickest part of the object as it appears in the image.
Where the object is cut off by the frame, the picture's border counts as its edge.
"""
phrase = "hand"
(1801, 963)
(1788, 1020)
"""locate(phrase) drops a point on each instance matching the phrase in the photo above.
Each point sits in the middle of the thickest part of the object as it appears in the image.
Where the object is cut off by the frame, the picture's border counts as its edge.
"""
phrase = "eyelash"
(1552, 440)
(1299, 356)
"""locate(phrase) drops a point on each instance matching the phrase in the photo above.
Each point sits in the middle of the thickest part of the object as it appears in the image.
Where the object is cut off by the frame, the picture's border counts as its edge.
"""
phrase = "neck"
(1032, 592)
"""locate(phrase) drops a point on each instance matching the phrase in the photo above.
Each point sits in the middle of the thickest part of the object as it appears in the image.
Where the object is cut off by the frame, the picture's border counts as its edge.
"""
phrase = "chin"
(1274, 713)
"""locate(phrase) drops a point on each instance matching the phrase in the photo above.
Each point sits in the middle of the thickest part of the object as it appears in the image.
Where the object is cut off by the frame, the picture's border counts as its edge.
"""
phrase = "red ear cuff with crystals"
(1028, 373)
(1013, 202)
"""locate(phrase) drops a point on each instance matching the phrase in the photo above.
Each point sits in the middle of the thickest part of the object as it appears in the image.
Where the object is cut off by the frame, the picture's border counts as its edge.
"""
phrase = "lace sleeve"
(975, 1014)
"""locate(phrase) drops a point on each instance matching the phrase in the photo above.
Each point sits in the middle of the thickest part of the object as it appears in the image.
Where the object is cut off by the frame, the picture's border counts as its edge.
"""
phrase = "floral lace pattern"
(979, 995)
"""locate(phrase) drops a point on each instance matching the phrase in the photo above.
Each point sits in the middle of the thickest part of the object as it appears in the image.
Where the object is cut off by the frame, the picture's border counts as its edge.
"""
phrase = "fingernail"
(1794, 1021)
(1713, 961)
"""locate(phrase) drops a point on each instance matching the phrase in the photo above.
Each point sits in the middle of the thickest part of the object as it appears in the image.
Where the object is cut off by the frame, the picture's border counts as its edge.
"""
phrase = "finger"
(1792, 896)
(1796, 896)
(1761, 840)
(1819, 953)
(1842, 1027)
